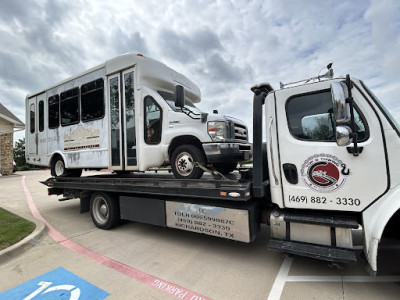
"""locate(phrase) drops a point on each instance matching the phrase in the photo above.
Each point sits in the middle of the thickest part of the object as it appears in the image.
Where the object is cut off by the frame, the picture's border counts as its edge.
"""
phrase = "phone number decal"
(323, 200)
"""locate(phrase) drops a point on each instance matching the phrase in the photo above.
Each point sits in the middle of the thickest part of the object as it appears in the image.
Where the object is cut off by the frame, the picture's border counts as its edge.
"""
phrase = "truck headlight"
(217, 130)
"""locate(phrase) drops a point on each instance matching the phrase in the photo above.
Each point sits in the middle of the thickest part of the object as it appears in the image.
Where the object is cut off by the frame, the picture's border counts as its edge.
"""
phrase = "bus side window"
(54, 111)
(92, 100)
(69, 107)
(41, 116)
(32, 118)
(152, 121)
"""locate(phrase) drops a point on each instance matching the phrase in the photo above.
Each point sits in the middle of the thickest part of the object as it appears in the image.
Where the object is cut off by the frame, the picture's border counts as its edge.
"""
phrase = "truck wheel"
(104, 210)
(225, 168)
(182, 162)
(58, 167)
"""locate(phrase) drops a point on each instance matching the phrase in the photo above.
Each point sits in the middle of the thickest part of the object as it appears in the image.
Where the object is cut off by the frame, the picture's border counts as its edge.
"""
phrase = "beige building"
(8, 124)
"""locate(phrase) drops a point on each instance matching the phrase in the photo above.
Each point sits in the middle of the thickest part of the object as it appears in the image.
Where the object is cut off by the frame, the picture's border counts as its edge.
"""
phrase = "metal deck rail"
(156, 184)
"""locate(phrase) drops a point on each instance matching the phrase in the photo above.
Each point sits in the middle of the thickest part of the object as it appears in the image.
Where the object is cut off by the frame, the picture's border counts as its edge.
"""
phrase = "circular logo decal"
(324, 173)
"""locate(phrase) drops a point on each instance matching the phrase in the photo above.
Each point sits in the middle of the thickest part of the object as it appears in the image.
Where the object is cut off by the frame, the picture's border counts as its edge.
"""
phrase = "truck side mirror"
(179, 96)
(341, 109)
(343, 135)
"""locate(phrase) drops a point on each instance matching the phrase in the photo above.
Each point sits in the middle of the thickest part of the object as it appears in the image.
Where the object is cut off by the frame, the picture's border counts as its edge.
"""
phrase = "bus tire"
(182, 162)
(58, 167)
(104, 210)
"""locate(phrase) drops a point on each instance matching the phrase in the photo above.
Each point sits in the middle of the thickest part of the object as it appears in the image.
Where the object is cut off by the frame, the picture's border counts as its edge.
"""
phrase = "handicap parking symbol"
(56, 284)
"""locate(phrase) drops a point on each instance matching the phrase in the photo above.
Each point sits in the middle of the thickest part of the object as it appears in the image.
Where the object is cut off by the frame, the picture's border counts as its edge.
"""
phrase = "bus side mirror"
(341, 109)
(179, 96)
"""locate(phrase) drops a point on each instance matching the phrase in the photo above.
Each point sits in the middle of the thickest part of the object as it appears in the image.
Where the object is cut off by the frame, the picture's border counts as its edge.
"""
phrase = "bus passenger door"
(129, 124)
(121, 89)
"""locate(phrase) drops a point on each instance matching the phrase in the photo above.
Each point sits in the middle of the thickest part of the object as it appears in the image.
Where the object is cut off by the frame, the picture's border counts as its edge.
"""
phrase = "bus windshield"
(171, 102)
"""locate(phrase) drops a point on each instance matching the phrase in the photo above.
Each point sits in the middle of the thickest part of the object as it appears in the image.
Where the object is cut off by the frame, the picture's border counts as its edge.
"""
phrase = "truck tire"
(104, 210)
(225, 168)
(182, 162)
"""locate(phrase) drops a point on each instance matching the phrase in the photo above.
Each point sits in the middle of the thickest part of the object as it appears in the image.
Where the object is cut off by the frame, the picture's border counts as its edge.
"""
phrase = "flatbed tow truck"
(326, 180)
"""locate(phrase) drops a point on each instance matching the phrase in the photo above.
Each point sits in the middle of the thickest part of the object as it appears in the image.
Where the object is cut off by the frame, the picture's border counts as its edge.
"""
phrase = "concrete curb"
(26, 243)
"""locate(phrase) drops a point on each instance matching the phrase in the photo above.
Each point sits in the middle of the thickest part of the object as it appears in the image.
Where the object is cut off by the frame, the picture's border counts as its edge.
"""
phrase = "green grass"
(13, 228)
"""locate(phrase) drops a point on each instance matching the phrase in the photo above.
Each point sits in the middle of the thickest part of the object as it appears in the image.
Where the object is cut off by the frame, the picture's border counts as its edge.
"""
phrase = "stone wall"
(7, 153)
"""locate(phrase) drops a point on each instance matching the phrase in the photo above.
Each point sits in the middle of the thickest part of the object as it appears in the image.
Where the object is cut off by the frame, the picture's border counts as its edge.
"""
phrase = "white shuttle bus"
(128, 114)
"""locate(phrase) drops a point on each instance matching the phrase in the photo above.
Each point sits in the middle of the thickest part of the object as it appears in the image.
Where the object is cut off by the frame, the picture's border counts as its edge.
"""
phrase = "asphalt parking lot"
(139, 261)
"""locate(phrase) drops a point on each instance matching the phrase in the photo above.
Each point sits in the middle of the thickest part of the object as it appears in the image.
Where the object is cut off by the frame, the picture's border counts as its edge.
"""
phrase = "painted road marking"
(342, 279)
(56, 284)
(283, 277)
(153, 281)
(280, 280)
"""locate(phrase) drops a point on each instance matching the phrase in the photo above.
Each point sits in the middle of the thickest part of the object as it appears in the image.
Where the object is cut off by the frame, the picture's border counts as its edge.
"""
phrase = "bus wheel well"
(184, 140)
(392, 227)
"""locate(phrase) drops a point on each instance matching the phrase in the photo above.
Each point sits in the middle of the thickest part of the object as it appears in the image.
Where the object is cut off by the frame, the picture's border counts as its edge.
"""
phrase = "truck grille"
(240, 132)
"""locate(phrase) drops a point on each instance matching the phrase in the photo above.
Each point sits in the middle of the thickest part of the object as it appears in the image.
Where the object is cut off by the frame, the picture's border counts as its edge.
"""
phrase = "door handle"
(290, 171)
(272, 151)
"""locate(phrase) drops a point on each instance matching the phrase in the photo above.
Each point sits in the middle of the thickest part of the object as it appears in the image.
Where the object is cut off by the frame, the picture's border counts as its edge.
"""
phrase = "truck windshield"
(170, 100)
(384, 110)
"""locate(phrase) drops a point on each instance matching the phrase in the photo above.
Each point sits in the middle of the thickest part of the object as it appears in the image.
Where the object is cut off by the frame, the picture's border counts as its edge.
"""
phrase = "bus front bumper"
(227, 152)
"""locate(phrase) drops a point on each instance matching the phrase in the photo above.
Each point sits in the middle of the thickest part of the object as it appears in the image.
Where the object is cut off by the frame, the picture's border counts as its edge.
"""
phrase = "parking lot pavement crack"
(82, 234)
(343, 290)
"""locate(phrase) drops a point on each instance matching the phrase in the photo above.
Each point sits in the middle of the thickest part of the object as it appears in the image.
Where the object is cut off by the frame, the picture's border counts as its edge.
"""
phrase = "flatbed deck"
(234, 189)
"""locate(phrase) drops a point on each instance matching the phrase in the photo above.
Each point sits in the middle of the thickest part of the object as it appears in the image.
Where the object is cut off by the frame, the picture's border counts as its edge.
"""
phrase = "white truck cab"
(125, 115)
(333, 153)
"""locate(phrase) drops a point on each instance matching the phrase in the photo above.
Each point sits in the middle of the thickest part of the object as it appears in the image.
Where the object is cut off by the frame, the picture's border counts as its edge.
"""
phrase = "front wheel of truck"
(183, 162)
(104, 210)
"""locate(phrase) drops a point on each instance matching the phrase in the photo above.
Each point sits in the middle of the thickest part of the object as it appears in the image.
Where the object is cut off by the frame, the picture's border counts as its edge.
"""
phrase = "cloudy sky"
(224, 46)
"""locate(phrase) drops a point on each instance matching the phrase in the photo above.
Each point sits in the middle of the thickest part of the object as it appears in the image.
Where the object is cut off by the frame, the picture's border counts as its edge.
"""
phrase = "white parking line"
(280, 280)
(283, 277)
(342, 279)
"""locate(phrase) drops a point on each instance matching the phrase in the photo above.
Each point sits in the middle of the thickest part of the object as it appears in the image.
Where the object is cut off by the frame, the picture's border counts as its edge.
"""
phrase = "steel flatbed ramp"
(157, 184)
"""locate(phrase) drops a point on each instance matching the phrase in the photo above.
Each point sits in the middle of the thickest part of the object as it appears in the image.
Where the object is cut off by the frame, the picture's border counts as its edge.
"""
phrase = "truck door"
(317, 173)
(121, 89)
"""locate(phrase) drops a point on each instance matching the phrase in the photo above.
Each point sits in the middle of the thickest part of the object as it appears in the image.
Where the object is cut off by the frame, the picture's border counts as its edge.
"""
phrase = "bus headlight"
(217, 130)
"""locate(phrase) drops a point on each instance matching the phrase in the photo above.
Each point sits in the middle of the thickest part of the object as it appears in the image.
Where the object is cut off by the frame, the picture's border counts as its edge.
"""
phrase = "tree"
(19, 153)
(19, 157)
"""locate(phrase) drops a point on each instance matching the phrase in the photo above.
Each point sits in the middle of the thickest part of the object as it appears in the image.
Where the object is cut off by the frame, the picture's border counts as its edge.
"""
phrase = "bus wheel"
(58, 167)
(182, 162)
(104, 210)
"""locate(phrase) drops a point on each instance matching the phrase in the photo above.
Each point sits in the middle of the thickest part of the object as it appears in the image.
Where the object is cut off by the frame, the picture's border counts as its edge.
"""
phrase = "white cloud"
(224, 46)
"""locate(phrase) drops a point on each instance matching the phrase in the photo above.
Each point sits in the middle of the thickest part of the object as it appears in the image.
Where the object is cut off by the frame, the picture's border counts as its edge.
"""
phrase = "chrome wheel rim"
(100, 210)
(184, 164)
